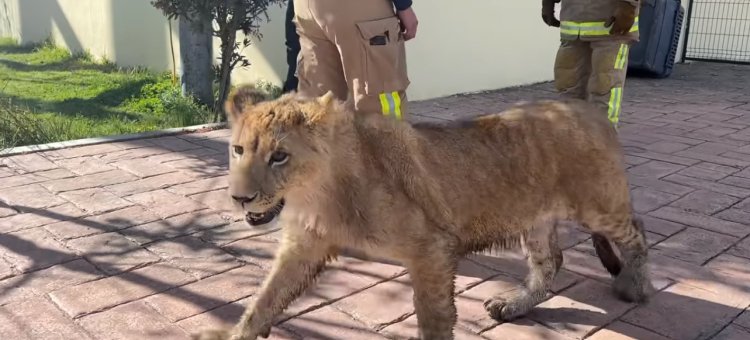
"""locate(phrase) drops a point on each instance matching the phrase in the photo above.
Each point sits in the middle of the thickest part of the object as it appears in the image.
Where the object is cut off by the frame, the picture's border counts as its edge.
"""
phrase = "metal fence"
(718, 30)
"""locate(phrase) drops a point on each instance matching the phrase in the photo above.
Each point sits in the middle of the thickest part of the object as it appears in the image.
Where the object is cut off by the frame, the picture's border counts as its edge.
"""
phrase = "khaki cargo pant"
(593, 71)
(355, 49)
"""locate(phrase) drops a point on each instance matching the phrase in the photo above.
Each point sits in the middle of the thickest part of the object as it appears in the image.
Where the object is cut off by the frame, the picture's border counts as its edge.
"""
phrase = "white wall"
(464, 46)
(128, 32)
(9, 19)
(267, 55)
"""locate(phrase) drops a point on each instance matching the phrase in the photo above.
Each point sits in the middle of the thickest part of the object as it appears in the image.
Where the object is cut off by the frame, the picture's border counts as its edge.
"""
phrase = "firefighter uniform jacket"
(586, 20)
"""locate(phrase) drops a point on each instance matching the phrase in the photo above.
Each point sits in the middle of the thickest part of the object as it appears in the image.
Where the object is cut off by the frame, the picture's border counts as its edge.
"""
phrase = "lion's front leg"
(544, 260)
(432, 276)
(297, 264)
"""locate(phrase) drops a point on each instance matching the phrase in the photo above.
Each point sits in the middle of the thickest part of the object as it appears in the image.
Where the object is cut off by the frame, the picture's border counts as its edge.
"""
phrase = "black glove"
(548, 13)
(623, 18)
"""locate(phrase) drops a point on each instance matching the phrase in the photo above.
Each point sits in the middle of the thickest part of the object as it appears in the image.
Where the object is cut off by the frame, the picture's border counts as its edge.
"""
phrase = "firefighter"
(356, 49)
(292, 49)
(592, 59)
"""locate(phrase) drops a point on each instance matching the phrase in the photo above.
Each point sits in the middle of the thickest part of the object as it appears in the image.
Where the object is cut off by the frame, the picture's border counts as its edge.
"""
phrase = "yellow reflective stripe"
(589, 24)
(596, 32)
(384, 104)
(622, 56)
(582, 25)
(391, 103)
(589, 28)
(569, 31)
(397, 104)
(619, 56)
(635, 27)
(615, 98)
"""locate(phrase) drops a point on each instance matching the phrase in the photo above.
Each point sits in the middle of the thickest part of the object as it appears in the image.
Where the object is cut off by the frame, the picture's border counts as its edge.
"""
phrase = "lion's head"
(277, 147)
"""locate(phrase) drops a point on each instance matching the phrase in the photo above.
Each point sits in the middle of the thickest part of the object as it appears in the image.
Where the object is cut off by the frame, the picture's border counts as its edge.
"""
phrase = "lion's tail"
(606, 254)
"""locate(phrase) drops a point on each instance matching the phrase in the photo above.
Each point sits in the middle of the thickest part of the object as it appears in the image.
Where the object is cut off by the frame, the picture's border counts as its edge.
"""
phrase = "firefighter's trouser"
(355, 49)
(292, 49)
(593, 71)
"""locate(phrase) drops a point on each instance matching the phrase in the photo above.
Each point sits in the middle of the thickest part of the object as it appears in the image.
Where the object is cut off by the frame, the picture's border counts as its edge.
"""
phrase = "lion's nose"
(245, 199)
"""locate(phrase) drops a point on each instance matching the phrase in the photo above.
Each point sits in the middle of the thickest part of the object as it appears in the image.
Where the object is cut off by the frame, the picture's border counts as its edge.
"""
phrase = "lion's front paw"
(212, 334)
(498, 308)
(508, 306)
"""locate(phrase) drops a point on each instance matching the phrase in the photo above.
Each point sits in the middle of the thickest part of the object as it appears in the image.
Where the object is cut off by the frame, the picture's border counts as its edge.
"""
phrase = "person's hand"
(548, 13)
(623, 18)
(408, 23)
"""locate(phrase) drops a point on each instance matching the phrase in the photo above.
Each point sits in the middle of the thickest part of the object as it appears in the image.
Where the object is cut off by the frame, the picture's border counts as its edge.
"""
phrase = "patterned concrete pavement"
(133, 240)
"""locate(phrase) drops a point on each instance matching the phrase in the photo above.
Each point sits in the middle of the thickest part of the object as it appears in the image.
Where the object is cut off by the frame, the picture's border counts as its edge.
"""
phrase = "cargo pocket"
(568, 66)
(384, 59)
(604, 73)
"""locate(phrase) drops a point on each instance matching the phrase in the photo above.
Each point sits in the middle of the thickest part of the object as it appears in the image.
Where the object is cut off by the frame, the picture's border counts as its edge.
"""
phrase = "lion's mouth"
(256, 219)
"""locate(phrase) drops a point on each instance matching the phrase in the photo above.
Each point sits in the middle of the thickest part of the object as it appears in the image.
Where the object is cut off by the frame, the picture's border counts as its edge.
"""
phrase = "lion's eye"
(238, 150)
(278, 158)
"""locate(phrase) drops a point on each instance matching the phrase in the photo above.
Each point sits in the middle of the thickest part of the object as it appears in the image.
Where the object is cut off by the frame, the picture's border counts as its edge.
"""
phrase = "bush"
(182, 111)
(148, 100)
(19, 126)
(269, 88)
(166, 105)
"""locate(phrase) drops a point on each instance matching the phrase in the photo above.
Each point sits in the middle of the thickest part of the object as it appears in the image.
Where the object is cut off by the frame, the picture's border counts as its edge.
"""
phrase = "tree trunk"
(196, 74)
(228, 36)
(225, 78)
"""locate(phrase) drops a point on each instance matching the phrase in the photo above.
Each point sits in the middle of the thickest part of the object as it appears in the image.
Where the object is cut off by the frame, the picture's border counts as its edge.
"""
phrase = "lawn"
(49, 95)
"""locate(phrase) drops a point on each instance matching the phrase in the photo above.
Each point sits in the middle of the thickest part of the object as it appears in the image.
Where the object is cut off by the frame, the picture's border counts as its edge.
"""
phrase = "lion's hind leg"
(544, 260)
(632, 281)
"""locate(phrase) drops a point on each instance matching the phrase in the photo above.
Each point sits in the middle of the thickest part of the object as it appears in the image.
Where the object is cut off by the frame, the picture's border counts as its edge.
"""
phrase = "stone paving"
(135, 240)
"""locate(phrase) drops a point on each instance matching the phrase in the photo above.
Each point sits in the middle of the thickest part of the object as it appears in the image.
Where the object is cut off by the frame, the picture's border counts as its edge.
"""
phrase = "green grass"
(48, 94)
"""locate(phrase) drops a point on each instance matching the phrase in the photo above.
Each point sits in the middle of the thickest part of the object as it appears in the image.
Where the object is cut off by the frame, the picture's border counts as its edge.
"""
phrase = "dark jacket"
(401, 4)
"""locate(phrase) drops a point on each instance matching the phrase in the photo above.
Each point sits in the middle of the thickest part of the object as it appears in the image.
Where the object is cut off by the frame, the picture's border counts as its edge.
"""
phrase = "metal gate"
(718, 30)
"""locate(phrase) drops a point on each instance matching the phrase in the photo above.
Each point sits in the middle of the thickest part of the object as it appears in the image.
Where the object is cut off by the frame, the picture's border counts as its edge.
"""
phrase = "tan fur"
(426, 195)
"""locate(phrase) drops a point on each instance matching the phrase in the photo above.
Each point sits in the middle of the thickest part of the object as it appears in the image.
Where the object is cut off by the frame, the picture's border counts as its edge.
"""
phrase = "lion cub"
(426, 195)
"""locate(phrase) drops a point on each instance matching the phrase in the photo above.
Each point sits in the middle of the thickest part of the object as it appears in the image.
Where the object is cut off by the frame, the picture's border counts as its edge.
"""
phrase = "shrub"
(19, 126)
(163, 101)
(182, 111)
(273, 91)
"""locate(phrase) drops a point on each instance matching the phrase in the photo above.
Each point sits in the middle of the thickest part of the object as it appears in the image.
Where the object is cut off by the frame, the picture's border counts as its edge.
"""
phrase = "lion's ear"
(328, 104)
(242, 99)
(326, 99)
